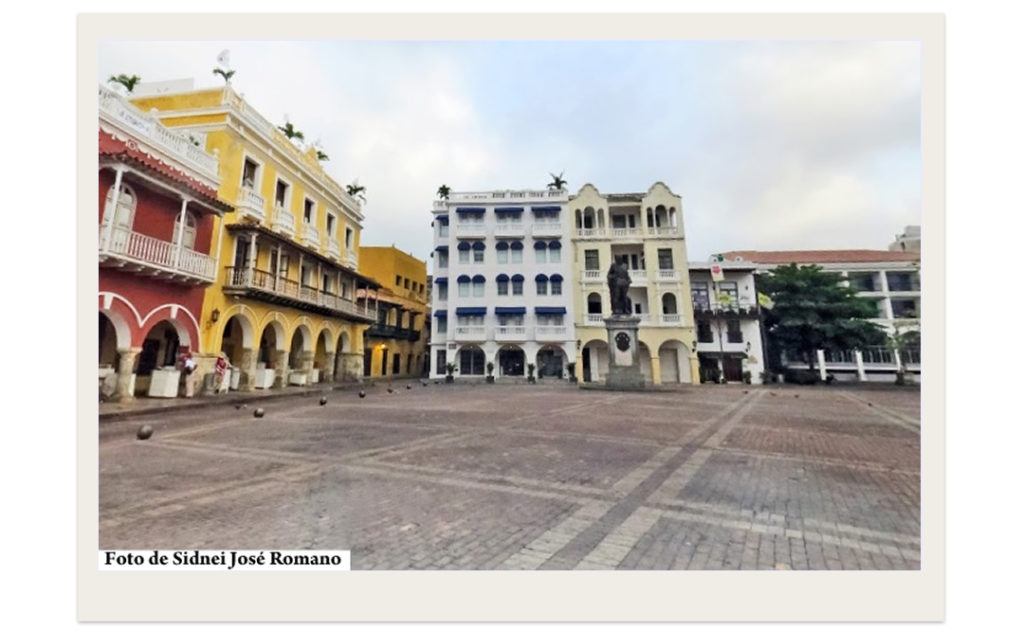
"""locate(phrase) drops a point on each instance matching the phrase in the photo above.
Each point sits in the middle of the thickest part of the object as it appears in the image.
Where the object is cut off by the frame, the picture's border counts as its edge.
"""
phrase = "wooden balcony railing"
(158, 255)
(255, 280)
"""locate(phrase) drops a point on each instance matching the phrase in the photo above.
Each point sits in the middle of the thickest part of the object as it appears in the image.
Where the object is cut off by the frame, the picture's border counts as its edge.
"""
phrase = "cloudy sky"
(771, 144)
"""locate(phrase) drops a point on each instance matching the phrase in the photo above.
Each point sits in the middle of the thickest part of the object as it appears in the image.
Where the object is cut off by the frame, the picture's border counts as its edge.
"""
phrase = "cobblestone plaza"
(531, 477)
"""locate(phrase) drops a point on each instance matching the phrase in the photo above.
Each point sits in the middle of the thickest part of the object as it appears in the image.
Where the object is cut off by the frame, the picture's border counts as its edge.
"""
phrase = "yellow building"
(283, 307)
(395, 346)
(644, 230)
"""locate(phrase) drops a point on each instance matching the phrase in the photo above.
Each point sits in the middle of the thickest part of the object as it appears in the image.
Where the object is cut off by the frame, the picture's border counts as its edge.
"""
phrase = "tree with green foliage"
(812, 311)
(443, 191)
(289, 130)
(557, 183)
(126, 81)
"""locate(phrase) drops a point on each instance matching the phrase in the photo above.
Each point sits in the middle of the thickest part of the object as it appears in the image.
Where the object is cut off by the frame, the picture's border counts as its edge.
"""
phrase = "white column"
(899, 362)
(861, 374)
(252, 258)
(179, 238)
(110, 213)
(216, 250)
(821, 364)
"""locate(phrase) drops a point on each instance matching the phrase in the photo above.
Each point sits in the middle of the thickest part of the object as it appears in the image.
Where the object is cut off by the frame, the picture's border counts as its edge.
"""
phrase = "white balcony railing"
(251, 203)
(668, 275)
(511, 229)
(594, 319)
(159, 255)
(547, 228)
(519, 196)
(352, 259)
(510, 332)
(470, 229)
(333, 248)
(671, 319)
(551, 332)
(470, 332)
(310, 235)
(664, 231)
(623, 233)
(592, 276)
(147, 127)
(284, 221)
(638, 276)
(589, 232)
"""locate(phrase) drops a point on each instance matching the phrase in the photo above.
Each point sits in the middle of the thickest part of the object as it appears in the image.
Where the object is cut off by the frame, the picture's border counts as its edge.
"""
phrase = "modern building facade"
(502, 285)
(646, 231)
(891, 279)
(395, 345)
(158, 215)
(728, 322)
(282, 305)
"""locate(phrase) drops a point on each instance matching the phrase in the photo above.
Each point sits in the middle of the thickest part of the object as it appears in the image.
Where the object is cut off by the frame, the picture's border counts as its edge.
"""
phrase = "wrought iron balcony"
(378, 330)
(725, 310)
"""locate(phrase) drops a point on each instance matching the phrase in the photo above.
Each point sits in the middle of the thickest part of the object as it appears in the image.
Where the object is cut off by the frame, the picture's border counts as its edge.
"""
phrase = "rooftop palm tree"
(225, 74)
(321, 155)
(126, 81)
(289, 130)
(557, 183)
(443, 191)
(355, 189)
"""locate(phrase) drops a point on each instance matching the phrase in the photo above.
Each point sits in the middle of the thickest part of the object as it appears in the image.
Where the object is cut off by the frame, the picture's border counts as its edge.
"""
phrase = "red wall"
(146, 294)
(156, 212)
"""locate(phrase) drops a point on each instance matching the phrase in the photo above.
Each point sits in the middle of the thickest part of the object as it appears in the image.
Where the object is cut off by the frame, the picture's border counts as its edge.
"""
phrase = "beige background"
(526, 596)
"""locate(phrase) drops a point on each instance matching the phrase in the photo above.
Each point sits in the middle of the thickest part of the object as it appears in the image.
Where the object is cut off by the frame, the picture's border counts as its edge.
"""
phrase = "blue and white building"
(502, 272)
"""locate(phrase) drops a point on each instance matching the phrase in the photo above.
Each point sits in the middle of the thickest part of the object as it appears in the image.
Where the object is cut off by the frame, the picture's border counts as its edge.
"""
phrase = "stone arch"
(184, 322)
(471, 360)
(551, 361)
(301, 343)
(510, 361)
(674, 362)
(594, 360)
(121, 327)
(236, 336)
(644, 352)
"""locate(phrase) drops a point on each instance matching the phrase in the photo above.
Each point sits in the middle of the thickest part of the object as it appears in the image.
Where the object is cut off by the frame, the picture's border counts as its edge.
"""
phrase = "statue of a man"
(618, 287)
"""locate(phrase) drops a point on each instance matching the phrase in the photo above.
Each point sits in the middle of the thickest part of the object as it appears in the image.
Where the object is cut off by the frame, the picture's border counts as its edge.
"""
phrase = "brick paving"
(523, 477)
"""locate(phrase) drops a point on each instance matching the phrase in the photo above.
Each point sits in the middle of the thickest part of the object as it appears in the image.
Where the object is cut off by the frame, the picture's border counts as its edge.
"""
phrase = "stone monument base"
(623, 354)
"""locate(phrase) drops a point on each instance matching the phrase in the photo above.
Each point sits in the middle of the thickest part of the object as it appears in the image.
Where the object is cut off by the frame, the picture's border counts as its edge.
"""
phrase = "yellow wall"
(232, 149)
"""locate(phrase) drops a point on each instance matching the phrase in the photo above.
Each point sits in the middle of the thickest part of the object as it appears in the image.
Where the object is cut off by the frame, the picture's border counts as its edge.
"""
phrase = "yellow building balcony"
(284, 221)
(251, 204)
(333, 248)
(262, 285)
(147, 255)
(309, 235)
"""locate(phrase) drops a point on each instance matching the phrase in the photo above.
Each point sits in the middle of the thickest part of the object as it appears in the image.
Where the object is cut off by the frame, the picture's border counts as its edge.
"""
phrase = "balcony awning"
(542, 277)
(554, 244)
(478, 245)
(517, 277)
(441, 249)
(540, 245)
(443, 219)
(463, 278)
(502, 245)
(440, 313)
(479, 278)
(546, 209)
(548, 310)
(556, 277)
(470, 210)
(441, 280)
(509, 311)
(502, 278)
(516, 245)
(465, 245)
(470, 311)
(508, 210)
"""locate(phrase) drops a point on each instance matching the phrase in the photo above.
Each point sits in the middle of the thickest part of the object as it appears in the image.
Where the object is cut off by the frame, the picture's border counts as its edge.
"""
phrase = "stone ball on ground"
(408, 386)
(362, 394)
(258, 413)
(323, 400)
(144, 432)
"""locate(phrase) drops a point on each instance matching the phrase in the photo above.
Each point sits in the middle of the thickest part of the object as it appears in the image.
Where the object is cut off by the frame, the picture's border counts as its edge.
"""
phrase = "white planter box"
(314, 376)
(236, 378)
(264, 378)
(164, 383)
(297, 379)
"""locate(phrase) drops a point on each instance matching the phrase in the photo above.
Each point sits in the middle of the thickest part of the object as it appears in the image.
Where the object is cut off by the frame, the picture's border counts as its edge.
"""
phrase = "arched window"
(478, 285)
(594, 303)
(124, 217)
(668, 304)
(502, 284)
(542, 284)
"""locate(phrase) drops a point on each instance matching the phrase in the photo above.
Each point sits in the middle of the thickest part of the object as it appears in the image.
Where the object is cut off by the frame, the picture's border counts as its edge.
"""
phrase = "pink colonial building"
(157, 202)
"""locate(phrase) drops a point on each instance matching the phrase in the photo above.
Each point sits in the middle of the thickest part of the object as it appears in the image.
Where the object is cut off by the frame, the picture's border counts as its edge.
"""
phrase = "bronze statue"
(618, 287)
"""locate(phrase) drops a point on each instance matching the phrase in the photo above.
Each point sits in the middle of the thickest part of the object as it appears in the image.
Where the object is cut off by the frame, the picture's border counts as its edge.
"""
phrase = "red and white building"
(157, 202)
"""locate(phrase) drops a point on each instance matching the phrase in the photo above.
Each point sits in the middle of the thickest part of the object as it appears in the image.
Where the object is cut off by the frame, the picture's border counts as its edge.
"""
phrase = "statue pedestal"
(623, 353)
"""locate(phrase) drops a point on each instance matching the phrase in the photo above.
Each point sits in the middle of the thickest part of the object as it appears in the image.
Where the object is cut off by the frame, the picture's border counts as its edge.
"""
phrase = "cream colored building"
(646, 230)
